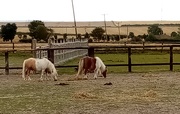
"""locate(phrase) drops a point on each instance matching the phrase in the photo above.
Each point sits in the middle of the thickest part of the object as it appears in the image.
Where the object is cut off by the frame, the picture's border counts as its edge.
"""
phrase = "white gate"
(61, 56)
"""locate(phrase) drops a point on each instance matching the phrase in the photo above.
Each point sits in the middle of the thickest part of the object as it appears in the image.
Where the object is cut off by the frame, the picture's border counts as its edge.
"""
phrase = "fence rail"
(91, 50)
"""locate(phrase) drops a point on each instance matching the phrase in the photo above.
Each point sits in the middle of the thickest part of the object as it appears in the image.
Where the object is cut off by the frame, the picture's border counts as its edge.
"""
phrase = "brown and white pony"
(43, 65)
(91, 65)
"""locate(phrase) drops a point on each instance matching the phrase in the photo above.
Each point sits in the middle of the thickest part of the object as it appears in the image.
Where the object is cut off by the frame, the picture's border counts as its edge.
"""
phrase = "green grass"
(16, 59)
(139, 58)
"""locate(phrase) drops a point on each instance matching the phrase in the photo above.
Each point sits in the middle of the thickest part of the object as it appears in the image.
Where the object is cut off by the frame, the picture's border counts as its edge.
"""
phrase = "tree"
(8, 31)
(151, 37)
(98, 33)
(50, 33)
(25, 36)
(39, 31)
(155, 30)
(173, 34)
(87, 35)
(19, 36)
(65, 36)
(131, 35)
(79, 36)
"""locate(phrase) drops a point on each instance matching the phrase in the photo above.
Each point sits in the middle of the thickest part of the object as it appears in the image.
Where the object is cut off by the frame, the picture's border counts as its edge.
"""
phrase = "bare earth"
(130, 93)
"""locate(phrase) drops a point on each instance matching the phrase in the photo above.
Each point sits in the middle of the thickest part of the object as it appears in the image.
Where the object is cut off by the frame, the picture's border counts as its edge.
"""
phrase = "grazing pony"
(91, 64)
(35, 64)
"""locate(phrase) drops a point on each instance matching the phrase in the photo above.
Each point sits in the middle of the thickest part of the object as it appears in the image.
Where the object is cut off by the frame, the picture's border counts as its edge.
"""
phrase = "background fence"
(128, 49)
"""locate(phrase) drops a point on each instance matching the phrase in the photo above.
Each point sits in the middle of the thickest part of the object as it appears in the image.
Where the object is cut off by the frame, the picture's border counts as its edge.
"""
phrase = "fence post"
(171, 58)
(34, 41)
(91, 51)
(129, 59)
(7, 63)
(162, 47)
(13, 45)
(124, 43)
(50, 51)
(51, 55)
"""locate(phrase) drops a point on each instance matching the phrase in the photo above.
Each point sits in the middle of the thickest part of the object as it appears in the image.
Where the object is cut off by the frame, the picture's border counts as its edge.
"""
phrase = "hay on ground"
(150, 93)
(74, 78)
(84, 95)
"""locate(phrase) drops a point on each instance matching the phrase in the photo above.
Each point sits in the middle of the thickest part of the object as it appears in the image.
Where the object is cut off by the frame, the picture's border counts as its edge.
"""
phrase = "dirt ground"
(125, 93)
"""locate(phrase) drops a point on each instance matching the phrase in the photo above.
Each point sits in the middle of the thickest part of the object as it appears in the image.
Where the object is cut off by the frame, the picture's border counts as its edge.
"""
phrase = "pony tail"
(23, 69)
(80, 67)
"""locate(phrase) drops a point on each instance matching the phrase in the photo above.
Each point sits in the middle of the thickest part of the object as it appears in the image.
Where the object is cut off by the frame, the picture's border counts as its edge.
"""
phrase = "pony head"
(52, 70)
(54, 74)
(104, 72)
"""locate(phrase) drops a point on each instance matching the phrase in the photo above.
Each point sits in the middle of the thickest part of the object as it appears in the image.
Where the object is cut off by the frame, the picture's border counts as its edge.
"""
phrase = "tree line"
(38, 30)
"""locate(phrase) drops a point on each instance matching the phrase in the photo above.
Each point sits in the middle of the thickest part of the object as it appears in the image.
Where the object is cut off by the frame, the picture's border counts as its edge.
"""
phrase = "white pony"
(91, 64)
(43, 65)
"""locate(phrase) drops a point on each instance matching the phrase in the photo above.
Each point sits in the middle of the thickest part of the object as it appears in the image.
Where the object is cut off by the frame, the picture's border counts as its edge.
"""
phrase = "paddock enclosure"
(128, 93)
(150, 87)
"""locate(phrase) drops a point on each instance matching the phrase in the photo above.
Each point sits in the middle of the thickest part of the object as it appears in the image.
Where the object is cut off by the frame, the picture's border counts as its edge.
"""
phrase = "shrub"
(25, 40)
(90, 40)
(151, 37)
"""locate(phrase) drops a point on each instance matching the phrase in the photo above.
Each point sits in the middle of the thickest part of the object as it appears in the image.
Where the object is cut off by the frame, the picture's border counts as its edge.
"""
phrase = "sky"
(90, 10)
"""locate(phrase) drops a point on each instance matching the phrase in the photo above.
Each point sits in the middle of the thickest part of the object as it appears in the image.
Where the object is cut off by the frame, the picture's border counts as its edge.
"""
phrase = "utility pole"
(119, 27)
(74, 18)
(127, 30)
(105, 25)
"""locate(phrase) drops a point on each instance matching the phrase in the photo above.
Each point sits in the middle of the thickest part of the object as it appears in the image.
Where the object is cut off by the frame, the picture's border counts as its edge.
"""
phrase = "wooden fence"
(63, 55)
(50, 53)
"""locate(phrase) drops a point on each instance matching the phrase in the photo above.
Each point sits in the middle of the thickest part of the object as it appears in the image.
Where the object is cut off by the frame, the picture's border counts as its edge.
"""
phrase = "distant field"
(18, 46)
(137, 30)
(83, 27)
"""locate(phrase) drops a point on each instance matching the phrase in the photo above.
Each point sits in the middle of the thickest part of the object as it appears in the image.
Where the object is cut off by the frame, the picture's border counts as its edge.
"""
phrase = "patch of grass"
(137, 58)
(16, 59)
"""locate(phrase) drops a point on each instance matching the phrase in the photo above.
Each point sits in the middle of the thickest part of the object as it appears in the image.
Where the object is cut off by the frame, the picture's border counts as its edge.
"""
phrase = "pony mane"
(51, 66)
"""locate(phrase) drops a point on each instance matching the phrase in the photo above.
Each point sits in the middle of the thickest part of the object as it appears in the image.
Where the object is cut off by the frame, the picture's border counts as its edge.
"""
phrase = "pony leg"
(80, 67)
(24, 71)
(85, 76)
(28, 75)
(99, 73)
(79, 73)
(42, 72)
(85, 73)
(96, 73)
(29, 78)
(24, 75)
(47, 76)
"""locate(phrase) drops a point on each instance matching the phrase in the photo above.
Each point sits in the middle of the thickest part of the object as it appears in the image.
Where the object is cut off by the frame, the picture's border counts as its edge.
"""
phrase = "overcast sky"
(89, 10)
